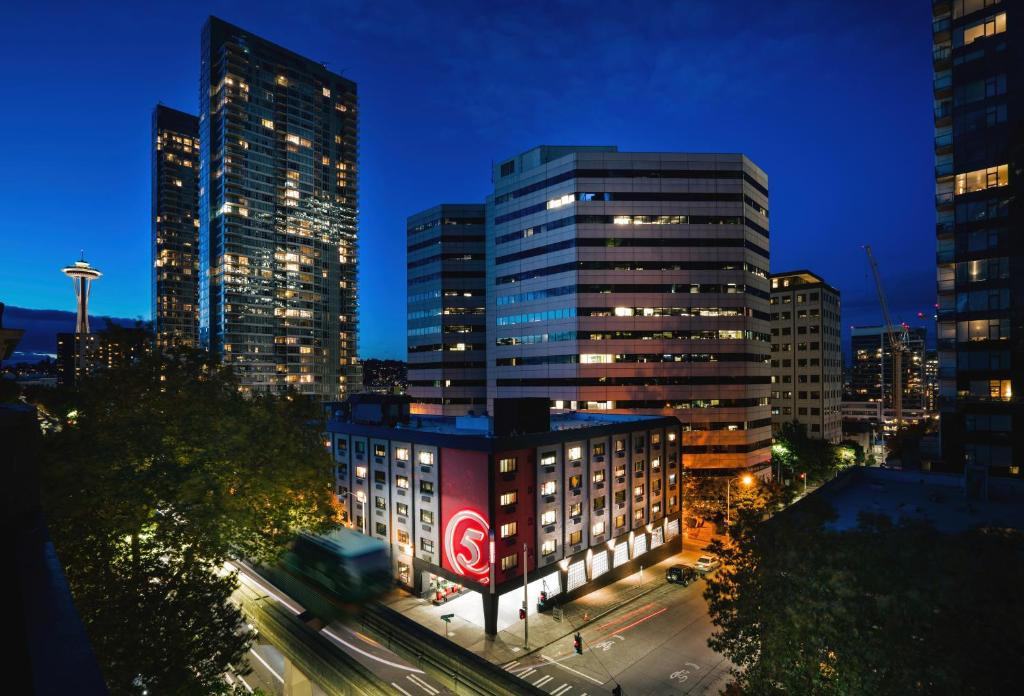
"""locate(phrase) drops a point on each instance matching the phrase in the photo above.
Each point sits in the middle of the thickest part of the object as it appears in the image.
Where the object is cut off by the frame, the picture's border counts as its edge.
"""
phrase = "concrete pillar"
(295, 682)
(490, 613)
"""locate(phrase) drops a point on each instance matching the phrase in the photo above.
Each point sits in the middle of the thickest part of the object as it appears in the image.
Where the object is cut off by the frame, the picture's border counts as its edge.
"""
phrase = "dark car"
(681, 574)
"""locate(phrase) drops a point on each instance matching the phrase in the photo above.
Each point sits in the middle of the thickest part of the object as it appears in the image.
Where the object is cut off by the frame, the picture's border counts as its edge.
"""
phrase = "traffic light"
(542, 601)
(577, 644)
(522, 613)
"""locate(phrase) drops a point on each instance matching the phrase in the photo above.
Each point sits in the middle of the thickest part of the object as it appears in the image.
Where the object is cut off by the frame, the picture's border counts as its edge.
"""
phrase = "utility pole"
(526, 598)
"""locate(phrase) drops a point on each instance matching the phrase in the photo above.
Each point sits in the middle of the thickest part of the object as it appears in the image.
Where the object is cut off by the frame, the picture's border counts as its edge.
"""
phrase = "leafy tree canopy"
(160, 472)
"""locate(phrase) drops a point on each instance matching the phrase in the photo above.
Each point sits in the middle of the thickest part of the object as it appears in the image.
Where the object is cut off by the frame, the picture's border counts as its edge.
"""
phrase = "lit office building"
(175, 221)
(446, 327)
(874, 379)
(635, 283)
(591, 497)
(978, 109)
(807, 361)
(277, 215)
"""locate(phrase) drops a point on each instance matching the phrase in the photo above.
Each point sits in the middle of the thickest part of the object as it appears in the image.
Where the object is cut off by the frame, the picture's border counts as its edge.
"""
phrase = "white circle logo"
(465, 537)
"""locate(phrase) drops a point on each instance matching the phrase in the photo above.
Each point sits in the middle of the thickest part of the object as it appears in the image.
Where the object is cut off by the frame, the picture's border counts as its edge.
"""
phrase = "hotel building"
(446, 327)
(807, 360)
(625, 282)
(277, 215)
(590, 497)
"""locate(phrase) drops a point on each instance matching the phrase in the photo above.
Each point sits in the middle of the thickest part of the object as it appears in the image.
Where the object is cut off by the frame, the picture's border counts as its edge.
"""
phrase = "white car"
(705, 564)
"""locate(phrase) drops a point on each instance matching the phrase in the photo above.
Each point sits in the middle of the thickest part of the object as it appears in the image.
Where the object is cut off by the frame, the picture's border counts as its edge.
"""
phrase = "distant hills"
(42, 326)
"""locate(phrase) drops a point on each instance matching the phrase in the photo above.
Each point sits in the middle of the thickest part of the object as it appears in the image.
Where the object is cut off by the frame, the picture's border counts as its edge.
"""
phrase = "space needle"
(82, 275)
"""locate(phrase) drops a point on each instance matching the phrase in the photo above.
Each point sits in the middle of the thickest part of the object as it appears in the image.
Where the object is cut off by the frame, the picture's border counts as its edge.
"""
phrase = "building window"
(507, 465)
(426, 517)
(402, 454)
(380, 477)
(638, 465)
(426, 458)
(547, 548)
(427, 545)
(547, 518)
(655, 464)
(598, 529)
(360, 472)
(403, 536)
(981, 179)
(380, 503)
(402, 510)
(655, 508)
(508, 529)
(548, 488)
(620, 470)
(990, 26)
(620, 521)
(598, 477)
(620, 447)
(379, 451)
(620, 497)
(547, 459)
(638, 490)
(360, 447)
(509, 562)
(575, 537)
(638, 444)
(382, 529)
(575, 453)
(508, 498)
(575, 481)
(655, 438)
(638, 515)
(402, 482)
(599, 502)
(575, 509)
(427, 487)
(598, 450)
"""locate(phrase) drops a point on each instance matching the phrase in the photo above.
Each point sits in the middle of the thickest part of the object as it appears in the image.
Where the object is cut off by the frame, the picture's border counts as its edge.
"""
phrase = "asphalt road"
(268, 665)
(654, 645)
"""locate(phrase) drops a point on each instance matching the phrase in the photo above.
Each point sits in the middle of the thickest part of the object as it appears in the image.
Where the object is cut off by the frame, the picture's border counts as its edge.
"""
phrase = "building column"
(295, 682)
(490, 612)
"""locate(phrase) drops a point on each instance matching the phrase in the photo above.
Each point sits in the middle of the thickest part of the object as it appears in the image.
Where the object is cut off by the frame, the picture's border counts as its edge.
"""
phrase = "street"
(656, 644)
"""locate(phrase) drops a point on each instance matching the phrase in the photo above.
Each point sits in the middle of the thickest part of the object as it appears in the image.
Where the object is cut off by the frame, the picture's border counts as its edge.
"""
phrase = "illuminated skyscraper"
(175, 221)
(277, 206)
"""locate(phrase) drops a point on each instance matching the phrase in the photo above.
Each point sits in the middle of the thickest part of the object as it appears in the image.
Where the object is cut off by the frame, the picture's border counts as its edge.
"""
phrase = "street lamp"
(747, 480)
(361, 497)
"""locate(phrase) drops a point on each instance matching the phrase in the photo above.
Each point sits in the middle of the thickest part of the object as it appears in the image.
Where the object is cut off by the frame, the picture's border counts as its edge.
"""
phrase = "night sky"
(832, 100)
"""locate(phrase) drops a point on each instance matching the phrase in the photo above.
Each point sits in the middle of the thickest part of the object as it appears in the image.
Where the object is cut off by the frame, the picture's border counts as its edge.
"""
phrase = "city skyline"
(784, 123)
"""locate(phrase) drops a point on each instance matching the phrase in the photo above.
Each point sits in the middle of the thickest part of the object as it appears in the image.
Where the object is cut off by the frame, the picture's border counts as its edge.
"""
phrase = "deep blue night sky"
(832, 100)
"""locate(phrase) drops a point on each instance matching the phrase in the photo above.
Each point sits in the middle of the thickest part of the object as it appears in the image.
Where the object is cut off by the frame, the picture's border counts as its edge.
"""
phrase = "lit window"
(598, 476)
(403, 536)
(509, 562)
(508, 498)
(426, 458)
(507, 465)
(402, 454)
(989, 26)
(267, 123)
(361, 472)
(548, 488)
(402, 482)
(575, 453)
(426, 487)
(547, 459)
(547, 548)
(547, 518)
(426, 517)
(508, 529)
(981, 179)
(402, 509)
(575, 537)
(327, 92)
(598, 529)
(427, 545)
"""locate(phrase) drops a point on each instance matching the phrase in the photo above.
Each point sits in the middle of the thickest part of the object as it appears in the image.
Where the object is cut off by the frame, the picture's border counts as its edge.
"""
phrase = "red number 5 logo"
(465, 537)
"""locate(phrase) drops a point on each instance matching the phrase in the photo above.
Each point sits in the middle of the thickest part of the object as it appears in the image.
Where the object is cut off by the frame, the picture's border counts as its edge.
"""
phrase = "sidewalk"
(543, 628)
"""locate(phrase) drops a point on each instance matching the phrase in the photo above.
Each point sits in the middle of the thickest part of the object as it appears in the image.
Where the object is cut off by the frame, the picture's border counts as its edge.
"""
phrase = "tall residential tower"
(277, 206)
(175, 228)
(635, 283)
(979, 171)
(446, 328)
(807, 361)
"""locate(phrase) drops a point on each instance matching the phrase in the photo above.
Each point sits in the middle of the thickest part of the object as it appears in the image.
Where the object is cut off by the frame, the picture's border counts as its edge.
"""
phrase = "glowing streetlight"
(747, 480)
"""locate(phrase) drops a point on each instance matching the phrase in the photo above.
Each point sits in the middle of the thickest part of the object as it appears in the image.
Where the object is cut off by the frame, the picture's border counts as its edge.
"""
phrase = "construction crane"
(898, 340)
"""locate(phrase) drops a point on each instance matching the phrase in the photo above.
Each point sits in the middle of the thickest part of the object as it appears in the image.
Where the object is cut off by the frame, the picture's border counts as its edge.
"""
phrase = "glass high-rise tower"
(277, 202)
(979, 168)
(175, 228)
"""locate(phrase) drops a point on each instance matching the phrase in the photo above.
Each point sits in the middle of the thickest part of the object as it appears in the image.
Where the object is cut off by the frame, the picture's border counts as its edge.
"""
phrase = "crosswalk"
(547, 682)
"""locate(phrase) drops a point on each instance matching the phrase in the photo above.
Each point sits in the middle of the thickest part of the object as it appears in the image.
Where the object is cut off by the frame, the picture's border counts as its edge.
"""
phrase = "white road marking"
(422, 684)
(563, 689)
(276, 675)
(397, 687)
(246, 684)
(543, 680)
(527, 672)
(574, 671)
(370, 655)
(507, 665)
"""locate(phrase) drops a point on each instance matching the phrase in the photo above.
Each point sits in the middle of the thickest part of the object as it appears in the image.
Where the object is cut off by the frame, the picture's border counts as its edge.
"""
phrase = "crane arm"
(895, 338)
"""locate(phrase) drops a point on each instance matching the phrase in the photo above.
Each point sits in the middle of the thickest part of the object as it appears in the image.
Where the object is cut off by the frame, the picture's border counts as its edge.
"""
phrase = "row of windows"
(646, 381)
(615, 288)
(709, 335)
(625, 265)
(620, 196)
(631, 242)
(528, 232)
(446, 239)
(608, 358)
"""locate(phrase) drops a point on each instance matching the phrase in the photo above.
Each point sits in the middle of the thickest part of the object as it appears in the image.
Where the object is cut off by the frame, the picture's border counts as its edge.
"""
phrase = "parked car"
(705, 564)
(681, 574)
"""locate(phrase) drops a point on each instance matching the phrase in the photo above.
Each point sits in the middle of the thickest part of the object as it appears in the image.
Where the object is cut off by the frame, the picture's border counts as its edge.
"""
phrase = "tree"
(163, 472)
(881, 609)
